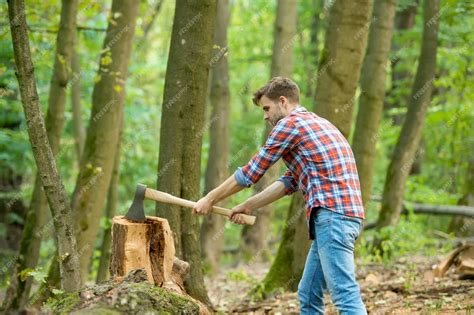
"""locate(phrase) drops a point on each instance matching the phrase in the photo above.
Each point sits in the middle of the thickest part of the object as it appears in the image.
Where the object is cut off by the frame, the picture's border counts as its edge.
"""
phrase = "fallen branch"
(420, 208)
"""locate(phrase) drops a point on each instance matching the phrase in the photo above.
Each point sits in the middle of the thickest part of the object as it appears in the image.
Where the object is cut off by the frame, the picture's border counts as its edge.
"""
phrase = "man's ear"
(283, 101)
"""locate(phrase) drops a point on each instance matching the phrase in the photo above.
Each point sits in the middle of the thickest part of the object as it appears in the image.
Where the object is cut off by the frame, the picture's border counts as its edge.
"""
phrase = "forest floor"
(407, 286)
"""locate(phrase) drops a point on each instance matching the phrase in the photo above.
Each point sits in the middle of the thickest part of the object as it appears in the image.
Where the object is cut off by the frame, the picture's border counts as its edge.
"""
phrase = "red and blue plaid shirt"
(319, 159)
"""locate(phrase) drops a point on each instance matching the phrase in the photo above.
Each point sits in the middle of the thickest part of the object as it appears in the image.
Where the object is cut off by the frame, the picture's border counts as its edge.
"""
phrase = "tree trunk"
(318, 9)
(212, 228)
(404, 21)
(287, 268)
(182, 125)
(462, 226)
(31, 240)
(341, 60)
(255, 238)
(43, 154)
(404, 153)
(336, 87)
(104, 127)
(151, 19)
(372, 95)
(112, 199)
(79, 131)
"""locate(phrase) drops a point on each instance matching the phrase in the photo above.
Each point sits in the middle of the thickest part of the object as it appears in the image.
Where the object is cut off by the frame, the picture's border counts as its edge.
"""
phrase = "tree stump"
(147, 246)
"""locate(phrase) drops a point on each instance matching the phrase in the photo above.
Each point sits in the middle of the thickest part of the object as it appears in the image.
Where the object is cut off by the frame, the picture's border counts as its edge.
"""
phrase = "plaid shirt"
(319, 160)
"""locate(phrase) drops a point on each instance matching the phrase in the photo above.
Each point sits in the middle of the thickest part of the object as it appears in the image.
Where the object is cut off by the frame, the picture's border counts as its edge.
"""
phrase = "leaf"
(57, 291)
(117, 88)
(39, 275)
(25, 273)
(106, 60)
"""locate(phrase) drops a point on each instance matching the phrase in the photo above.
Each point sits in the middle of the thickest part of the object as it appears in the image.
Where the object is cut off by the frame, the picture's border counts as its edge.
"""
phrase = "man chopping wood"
(320, 163)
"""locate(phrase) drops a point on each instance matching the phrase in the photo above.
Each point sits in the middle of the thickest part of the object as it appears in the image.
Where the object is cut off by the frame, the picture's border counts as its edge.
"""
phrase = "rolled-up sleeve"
(283, 138)
(290, 182)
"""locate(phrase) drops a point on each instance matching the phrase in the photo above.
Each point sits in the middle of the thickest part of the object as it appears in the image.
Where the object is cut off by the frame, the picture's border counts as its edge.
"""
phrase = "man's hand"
(203, 206)
(235, 217)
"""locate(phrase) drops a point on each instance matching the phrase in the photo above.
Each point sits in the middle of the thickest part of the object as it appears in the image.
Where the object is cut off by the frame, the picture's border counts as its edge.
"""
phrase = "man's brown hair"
(276, 87)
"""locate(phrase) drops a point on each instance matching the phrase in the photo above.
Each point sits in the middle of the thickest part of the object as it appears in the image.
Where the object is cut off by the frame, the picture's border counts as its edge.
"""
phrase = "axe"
(136, 212)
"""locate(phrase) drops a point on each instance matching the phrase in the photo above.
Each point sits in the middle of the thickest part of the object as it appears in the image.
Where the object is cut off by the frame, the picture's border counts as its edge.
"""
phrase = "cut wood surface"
(462, 257)
(146, 245)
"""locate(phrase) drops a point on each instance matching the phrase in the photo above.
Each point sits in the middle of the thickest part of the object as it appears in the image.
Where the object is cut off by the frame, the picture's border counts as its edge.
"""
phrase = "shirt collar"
(298, 109)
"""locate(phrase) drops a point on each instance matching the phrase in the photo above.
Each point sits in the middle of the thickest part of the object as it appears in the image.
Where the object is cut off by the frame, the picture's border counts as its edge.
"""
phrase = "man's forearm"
(229, 187)
(273, 192)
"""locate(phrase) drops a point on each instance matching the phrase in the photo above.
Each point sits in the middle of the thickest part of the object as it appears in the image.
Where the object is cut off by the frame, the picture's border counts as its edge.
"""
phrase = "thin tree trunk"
(289, 262)
(338, 75)
(314, 46)
(212, 228)
(255, 238)
(18, 290)
(404, 153)
(151, 19)
(341, 60)
(182, 126)
(404, 21)
(112, 200)
(79, 131)
(43, 154)
(462, 226)
(104, 127)
(371, 99)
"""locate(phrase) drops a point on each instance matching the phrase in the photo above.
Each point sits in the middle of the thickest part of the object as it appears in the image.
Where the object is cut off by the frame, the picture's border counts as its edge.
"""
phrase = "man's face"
(273, 111)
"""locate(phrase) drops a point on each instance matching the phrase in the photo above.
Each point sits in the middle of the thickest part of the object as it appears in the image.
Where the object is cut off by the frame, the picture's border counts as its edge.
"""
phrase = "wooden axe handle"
(170, 199)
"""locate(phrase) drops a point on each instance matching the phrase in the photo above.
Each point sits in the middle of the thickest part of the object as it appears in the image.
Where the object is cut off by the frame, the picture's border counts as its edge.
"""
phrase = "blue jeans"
(330, 265)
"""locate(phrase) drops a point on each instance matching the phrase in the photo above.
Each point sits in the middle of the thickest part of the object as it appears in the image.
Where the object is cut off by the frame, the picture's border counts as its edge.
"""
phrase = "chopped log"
(145, 252)
(465, 263)
(147, 245)
(462, 257)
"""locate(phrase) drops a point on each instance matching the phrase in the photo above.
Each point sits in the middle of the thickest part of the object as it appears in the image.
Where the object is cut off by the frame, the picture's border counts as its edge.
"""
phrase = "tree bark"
(182, 126)
(112, 199)
(37, 214)
(462, 226)
(102, 137)
(338, 75)
(404, 152)
(212, 228)
(372, 95)
(255, 238)
(79, 131)
(316, 26)
(341, 60)
(43, 154)
(404, 21)
(289, 262)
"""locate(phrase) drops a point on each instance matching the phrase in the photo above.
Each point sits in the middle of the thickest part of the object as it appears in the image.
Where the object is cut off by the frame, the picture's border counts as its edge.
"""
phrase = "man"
(321, 164)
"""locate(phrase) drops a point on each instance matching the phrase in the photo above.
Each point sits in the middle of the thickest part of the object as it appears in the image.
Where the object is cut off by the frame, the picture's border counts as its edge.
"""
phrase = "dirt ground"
(405, 287)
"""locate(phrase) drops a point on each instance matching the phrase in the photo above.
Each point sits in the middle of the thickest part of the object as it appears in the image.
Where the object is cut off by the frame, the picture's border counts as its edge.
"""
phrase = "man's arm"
(229, 187)
(270, 194)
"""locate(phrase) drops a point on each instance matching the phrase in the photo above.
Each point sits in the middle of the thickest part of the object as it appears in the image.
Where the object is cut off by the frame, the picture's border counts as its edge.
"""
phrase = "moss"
(63, 303)
(123, 298)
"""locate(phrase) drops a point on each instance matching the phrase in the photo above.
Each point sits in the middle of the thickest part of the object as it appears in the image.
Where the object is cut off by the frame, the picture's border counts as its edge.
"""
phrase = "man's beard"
(274, 121)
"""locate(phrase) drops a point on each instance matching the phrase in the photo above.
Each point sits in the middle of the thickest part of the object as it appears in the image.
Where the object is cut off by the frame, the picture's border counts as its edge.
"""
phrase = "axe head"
(136, 212)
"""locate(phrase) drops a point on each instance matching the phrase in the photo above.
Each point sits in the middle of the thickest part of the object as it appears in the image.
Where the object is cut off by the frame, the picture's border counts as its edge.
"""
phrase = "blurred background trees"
(361, 68)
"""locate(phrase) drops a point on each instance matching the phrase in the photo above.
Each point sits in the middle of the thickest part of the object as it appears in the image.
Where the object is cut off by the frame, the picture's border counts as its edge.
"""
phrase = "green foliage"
(446, 133)
(410, 236)
(38, 274)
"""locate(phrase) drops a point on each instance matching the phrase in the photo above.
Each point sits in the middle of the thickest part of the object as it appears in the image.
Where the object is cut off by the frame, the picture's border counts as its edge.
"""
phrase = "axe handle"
(170, 199)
